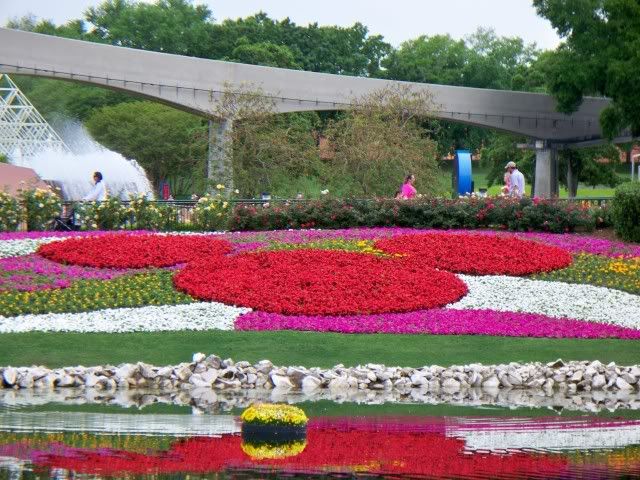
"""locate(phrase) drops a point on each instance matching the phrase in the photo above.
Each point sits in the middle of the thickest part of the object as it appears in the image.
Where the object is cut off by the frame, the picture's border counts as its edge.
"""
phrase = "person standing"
(408, 191)
(516, 177)
(99, 191)
(507, 181)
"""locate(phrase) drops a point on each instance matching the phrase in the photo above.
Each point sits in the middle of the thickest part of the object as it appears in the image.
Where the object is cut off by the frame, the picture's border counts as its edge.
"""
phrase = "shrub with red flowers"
(134, 251)
(315, 282)
(477, 254)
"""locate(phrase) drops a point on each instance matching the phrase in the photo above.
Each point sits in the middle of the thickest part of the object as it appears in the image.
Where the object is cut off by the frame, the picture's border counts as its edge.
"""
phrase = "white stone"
(451, 384)
(10, 376)
(281, 381)
(198, 357)
(622, 384)
(209, 375)
(491, 382)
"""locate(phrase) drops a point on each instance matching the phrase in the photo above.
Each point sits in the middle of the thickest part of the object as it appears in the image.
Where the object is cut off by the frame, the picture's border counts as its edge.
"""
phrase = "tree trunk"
(572, 180)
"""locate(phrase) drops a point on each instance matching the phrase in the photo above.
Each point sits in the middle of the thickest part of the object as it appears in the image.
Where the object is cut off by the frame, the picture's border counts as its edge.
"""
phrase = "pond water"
(49, 437)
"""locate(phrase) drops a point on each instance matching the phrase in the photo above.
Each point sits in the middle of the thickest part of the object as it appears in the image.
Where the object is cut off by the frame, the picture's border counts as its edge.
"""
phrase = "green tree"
(263, 53)
(437, 59)
(592, 166)
(269, 151)
(379, 141)
(600, 55)
(169, 26)
(165, 141)
(501, 150)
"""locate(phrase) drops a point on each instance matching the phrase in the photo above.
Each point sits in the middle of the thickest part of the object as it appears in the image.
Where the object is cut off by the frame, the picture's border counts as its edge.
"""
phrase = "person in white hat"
(516, 179)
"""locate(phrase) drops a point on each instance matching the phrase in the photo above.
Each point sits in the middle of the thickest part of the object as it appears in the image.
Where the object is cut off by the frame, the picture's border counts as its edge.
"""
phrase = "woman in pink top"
(408, 191)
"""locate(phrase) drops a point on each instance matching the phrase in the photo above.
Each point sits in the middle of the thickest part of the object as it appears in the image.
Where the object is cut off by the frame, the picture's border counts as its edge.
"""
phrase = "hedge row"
(502, 213)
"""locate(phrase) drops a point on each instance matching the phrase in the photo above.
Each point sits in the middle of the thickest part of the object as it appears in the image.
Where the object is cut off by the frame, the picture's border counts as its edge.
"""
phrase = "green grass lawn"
(302, 348)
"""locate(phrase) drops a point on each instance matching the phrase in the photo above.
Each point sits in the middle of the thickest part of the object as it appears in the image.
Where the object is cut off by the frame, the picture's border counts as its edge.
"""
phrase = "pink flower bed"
(439, 322)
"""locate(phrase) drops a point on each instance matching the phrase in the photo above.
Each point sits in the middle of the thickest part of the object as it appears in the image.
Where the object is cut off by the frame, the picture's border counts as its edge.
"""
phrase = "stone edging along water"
(217, 374)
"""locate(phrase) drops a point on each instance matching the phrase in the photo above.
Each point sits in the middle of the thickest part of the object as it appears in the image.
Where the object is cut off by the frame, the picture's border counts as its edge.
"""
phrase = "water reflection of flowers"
(269, 451)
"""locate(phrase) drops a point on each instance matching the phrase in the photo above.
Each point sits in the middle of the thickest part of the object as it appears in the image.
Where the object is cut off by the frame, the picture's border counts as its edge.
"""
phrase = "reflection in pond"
(63, 441)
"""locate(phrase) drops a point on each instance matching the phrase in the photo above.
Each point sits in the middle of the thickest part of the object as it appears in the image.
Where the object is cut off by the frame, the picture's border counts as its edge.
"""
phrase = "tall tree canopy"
(600, 56)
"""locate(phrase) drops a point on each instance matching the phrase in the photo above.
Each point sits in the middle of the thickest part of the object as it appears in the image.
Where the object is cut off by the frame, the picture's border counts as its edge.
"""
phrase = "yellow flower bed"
(274, 414)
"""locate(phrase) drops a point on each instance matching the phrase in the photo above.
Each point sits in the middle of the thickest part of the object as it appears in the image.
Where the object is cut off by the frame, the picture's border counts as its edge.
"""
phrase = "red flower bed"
(316, 282)
(134, 251)
(477, 254)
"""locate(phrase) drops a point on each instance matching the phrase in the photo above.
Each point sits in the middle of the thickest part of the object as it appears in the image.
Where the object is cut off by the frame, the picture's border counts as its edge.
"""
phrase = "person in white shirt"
(516, 187)
(99, 190)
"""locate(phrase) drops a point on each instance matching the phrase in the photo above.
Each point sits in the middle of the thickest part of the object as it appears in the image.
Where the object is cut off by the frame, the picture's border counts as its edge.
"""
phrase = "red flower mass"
(477, 254)
(317, 282)
(134, 251)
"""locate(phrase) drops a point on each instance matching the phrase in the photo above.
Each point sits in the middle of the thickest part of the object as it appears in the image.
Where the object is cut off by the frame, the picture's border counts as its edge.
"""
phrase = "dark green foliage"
(626, 211)
(162, 139)
(507, 214)
(600, 56)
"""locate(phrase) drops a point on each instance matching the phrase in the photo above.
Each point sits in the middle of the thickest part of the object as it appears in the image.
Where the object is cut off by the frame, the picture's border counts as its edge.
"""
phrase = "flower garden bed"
(366, 280)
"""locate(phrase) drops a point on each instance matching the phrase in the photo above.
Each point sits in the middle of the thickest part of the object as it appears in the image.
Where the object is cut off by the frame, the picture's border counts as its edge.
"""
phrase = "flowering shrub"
(39, 207)
(137, 251)
(316, 282)
(149, 216)
(211, 212)
(9, 212)
(502, 213)
(477, 254)
(109, 214)
(274, 414)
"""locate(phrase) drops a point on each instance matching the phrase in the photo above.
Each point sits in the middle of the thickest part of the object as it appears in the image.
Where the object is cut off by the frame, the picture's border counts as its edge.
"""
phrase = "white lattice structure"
(23, 131)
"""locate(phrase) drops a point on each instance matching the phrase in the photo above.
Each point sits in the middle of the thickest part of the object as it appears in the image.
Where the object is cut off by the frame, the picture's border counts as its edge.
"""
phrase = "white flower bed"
(556, 299)
(193, 316)
(26, 246)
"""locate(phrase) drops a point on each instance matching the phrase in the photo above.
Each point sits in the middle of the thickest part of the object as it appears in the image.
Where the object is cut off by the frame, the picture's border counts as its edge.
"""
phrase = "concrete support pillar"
(546, 178)
(219, 158)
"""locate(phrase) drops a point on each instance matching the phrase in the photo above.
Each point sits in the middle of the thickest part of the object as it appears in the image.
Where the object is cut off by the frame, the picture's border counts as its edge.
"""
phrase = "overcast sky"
(396, 20)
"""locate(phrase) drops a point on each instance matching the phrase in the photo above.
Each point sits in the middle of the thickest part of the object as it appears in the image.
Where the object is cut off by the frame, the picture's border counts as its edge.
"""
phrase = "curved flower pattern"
(439, 322)
(477, 254)
(140, 251)
(192, 316)
(316, 282)
(555, 299)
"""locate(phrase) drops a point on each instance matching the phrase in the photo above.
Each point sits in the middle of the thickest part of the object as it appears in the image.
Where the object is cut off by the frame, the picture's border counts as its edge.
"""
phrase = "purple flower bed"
(440, 322)
(32, 272)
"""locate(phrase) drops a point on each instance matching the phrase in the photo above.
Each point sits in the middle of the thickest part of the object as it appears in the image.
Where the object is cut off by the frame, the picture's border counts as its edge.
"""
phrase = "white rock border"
(211, 372)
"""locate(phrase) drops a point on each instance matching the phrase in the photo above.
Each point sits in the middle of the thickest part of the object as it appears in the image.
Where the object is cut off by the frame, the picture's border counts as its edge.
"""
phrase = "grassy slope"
(302, 348)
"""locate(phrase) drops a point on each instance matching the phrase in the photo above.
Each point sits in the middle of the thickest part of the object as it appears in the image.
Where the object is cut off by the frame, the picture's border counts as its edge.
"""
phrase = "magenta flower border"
(440, 322)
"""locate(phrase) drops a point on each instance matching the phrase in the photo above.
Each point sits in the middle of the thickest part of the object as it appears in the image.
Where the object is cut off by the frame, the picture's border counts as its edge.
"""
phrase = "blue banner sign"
(463, 178)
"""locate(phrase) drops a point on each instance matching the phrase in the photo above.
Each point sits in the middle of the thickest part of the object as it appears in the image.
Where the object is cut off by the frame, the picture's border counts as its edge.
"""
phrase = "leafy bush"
(151, 216)
(503, 213)
(626, 211)
(9, 212)
(211, 212)
(39, 207)
(602, 215)
(110, 214)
